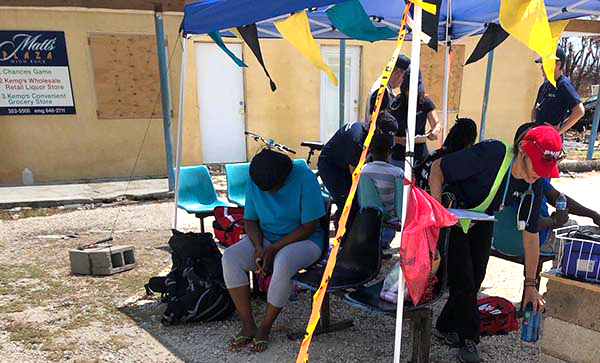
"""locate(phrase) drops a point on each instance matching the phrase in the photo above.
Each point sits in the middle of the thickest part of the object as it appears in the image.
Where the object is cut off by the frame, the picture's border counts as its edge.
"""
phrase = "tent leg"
(411, 120)
(180, 127)
(590, 151)
(165, 91)
(342, 80)
(446, 85)
(486, 93)
(447, 70)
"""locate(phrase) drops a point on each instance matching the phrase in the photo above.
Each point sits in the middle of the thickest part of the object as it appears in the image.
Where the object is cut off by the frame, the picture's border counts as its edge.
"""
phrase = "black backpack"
(194, 289)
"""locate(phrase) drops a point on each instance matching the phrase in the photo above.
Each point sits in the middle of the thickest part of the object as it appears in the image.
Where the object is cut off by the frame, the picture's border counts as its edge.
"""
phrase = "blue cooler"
(581, 256)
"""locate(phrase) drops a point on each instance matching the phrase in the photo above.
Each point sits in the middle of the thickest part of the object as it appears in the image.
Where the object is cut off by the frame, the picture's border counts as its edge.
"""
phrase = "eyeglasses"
(548, 155)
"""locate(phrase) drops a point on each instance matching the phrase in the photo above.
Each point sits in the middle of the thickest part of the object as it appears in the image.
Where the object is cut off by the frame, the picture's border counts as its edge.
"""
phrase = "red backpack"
(498, 316)
(229, 224)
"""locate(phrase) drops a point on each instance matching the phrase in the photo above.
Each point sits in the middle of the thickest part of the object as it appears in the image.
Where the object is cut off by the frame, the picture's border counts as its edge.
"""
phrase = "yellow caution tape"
(315, 314)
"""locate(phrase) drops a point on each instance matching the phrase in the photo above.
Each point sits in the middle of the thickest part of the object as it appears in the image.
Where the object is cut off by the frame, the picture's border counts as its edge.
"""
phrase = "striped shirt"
(384, 175)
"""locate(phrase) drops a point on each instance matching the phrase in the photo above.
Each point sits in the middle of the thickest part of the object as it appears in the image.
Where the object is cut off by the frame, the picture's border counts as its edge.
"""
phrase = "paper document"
(474, 216)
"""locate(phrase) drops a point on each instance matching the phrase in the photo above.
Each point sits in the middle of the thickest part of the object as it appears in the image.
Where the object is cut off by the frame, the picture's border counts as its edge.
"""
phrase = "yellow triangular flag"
(556, 30)
(430, 8)
(296, 30)
(236, 33)
(526, 21)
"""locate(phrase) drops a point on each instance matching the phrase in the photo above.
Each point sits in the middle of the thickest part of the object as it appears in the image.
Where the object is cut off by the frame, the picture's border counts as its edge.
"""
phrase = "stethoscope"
(521, 224)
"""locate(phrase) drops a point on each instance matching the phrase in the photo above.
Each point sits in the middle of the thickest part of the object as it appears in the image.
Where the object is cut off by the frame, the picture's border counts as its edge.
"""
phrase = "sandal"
(259, 346)
(239, 341)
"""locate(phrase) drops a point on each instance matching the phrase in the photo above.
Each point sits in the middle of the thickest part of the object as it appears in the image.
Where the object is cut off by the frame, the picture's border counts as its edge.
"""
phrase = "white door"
(330, 114)
(221, 104)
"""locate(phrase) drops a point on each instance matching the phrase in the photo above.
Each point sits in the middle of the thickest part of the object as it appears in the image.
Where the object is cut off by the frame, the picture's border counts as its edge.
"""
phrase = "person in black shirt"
(341, 154)
(558, 106)
(425, 112)
(470, 174)
(460, 136)
(400, 68)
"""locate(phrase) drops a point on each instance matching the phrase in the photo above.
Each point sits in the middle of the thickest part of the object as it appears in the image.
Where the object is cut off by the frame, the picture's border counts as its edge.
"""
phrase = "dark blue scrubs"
(553, 104)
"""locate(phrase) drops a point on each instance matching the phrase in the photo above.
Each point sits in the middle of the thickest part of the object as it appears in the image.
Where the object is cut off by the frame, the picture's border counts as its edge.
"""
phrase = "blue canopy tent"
(458, 19)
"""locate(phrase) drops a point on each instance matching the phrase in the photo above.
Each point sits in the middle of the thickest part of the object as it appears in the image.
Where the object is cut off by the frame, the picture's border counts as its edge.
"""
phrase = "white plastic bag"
(389, 290)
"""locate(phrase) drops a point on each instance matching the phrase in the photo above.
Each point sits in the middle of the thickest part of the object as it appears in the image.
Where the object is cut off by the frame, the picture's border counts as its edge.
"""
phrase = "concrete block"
(570, 342)
(102, 260)
(80, 262)
(573, 304)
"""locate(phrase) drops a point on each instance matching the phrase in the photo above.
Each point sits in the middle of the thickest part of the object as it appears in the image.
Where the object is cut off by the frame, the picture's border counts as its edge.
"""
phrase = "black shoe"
(469, 353)
(450, 338)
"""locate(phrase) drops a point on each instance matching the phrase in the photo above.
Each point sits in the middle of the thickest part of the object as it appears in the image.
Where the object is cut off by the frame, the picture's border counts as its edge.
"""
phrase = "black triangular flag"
(250, 36)
(494, 35)
(430, 24)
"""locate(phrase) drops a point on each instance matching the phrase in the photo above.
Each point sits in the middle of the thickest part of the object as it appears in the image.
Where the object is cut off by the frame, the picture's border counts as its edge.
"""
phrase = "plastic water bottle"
(27, 177)
(530, 327)
(561, 202)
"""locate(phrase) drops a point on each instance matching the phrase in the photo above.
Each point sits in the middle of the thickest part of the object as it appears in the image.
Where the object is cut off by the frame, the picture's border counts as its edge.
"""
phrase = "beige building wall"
(81, 146)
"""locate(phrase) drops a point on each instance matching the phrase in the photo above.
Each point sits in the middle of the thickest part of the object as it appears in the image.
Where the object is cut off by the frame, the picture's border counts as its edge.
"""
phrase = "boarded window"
(432, 68)
(126, 75)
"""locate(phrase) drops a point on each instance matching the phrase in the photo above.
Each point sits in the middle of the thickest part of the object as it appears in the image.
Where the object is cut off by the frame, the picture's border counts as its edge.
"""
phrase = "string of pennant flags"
(525, 20)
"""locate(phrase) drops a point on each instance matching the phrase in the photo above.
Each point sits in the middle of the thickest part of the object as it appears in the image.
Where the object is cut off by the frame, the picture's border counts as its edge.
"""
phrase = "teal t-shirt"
(297, 202)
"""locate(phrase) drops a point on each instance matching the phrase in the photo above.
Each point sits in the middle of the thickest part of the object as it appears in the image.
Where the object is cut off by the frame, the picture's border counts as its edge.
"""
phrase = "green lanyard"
(506, 165)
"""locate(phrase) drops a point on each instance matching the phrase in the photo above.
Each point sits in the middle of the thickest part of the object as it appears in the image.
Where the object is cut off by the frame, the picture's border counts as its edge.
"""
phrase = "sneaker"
(449, 338)
(469, 353)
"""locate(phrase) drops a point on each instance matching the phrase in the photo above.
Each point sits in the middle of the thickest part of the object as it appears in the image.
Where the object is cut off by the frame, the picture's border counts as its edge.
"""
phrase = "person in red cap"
(486, 177)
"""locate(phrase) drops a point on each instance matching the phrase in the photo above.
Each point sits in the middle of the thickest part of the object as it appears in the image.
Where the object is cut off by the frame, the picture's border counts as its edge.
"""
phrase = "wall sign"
(34, 74)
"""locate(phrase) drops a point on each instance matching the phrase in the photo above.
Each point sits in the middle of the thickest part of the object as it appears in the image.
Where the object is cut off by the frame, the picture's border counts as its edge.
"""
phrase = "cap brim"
(539, 60)
(546, 169)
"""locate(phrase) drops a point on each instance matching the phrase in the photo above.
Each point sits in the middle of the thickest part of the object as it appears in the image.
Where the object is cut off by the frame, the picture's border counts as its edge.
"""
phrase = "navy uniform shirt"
(345, 146)
(400, 113)
(470, 173)
(553, 104)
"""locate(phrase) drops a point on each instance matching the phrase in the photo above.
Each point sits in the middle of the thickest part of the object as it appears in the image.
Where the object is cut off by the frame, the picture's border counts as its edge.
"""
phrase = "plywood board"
(126, 78)
(556, 275)
(432, 69)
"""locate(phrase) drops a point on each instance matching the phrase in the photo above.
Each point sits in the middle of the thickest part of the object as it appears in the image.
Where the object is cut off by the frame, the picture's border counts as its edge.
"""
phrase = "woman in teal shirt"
(283, 206)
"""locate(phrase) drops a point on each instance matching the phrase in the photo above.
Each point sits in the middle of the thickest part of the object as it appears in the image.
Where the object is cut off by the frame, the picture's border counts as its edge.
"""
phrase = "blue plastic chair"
(237, 177)
(197, 193)
(507, 243)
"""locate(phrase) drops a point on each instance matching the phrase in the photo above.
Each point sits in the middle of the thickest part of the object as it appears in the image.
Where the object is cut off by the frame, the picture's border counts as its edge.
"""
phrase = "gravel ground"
(49, 315)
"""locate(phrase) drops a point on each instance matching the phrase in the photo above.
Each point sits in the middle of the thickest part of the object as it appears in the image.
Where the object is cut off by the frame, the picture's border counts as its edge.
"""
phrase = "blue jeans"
(387, 235)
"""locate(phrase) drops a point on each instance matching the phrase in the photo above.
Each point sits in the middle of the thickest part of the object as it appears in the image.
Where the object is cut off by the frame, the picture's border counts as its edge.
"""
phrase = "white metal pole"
(180, 127)
(447, 69)
(415, 56)
(446, 85)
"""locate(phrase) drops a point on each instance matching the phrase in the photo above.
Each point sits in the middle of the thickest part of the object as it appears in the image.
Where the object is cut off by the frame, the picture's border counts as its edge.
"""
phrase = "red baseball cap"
(543, 145)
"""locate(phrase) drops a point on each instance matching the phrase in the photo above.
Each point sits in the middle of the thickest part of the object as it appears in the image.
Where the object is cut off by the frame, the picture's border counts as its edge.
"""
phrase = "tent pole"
(165, 91)
(594, 133)
(447, 69)
(342, 80)
(486, 93)
(410, 138)
(446, 85)
(180, 126)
